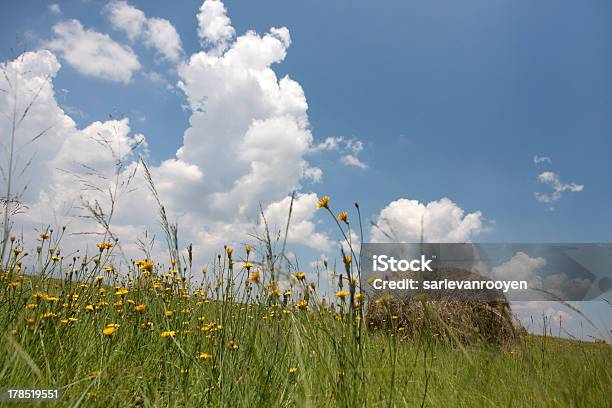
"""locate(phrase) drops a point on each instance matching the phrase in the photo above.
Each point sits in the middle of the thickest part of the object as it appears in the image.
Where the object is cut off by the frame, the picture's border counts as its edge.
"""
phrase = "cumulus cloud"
(93, 53)
(214, 26)
(520, 267)
(406, 220)
(552, 180)
(246, 147)
(157, 33)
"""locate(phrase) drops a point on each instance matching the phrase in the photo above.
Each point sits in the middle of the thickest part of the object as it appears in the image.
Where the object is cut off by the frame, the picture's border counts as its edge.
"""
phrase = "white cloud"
(157, 33)
(349, 147)
(54, 8)
(93, 53)
(541, 159)
(552, 179)
(405, 220)
(214, 26)
(520, 267)
(247, 144)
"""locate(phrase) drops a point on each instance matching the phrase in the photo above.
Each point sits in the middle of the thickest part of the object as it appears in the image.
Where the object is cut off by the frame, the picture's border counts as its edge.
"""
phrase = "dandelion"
(343, 216)
(204, 356)
(168, 313)
(147, 266)
(55, 258)
(254, 276)
(323, 202)
(139, 308)
(229, 251)
(17, 251)
(121, 292)
(302, 304)
(293, 370)
(248, 249)
(300, 276)
(44, 236)
(89, 308)
(93, 374)
(171, 333)
(110, 329)
(48, 315)
(247, 266)
(347, 260)
(232, 345)
(342, 294)
(104, 245)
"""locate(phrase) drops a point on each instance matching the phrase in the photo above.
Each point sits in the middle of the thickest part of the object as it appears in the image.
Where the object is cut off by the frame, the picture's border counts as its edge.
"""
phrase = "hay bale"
(447, 315)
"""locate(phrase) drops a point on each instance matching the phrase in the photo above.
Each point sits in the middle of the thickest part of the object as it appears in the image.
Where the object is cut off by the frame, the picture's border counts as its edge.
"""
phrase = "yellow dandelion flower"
(342, 294)
(121, 292)
(139, 308)
(229, 251)
(293, 370)
(247, 266)
(171, 333)
(248, 249)
(302, 304)
(300, 276)
(168, 313)
(204, 356)
(232, 345)
(254, 276)
(343, 216)
(89, 308)
(110, 329)
(323, 202)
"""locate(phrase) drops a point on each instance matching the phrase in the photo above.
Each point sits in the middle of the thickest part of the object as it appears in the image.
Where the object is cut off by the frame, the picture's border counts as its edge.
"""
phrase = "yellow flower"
(168, 313)
(347, 260)
(293, 370)
(204, 356)
(248, 249)
(48, 315)
(17, 251)
(300, 276)
(247, 266)
(139, 308)
(121, 292)
(343, 216)
(254, 276)
(342, 294)
(170, 333)
(323, 202)
(55, 258)
(94, 374)
(359, 296)
(302, 304)
(110, 329)
(104, 245)
(31, 305)
(44, 236)
(147, 266)
(232, 345)
(89, 308)
(229, 251)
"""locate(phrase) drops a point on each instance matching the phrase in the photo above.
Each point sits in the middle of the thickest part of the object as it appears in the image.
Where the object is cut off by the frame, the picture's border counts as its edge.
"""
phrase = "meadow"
(149, 334)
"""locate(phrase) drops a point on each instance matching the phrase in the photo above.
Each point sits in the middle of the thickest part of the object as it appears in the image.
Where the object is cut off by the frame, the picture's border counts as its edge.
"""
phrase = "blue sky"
(449, 99)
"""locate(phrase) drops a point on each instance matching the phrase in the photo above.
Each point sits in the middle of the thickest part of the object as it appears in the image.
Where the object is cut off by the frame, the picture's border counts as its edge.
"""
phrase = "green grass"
(338, 362)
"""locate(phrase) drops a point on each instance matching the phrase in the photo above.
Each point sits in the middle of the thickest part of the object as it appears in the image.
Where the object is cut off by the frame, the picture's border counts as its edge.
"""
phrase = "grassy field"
(149, 341)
